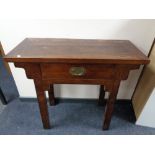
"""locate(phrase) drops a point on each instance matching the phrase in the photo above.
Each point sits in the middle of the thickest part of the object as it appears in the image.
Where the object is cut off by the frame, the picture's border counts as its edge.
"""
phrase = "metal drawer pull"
(77, 71)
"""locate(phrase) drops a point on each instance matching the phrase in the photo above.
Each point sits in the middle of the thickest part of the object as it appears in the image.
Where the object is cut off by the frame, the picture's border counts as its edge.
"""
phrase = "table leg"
(101, 101)
(42, 104)
(110, 105)
(2, 97)
(51, 95)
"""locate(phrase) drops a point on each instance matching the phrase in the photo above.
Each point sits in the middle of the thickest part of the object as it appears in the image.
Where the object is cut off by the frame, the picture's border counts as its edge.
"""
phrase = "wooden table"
(76, 61)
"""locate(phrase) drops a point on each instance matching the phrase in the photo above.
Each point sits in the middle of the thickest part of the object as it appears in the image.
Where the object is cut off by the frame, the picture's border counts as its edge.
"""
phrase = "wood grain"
(77, 50)
(59, 71)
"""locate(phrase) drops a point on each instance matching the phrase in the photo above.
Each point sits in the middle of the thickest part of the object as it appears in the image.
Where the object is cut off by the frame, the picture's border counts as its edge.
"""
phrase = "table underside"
(47, 74)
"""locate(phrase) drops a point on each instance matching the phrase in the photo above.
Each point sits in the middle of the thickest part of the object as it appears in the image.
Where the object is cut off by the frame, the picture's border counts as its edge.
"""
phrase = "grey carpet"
(82, 117)
(67, 118)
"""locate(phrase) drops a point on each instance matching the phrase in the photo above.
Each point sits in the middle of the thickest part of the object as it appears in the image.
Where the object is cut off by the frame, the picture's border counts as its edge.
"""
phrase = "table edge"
(94, 61)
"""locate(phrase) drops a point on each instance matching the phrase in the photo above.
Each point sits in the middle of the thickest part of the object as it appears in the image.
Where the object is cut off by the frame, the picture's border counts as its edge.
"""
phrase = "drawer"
(77, 71)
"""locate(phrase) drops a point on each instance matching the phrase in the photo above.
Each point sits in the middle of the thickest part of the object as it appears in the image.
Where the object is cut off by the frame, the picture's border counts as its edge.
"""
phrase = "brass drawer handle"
(77, 71)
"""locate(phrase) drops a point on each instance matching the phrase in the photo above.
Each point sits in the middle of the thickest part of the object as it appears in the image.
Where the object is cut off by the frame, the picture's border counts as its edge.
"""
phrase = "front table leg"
(110, 105)
(42, 104)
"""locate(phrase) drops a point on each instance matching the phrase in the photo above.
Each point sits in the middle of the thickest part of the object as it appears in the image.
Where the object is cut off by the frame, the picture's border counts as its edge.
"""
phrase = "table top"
(76, 51)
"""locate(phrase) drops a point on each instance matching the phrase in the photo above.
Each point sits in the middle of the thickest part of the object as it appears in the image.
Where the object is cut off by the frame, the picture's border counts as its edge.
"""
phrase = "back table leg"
(101, 100)
(51, 95)
(2, 97)
(110, 105)
(42, 104)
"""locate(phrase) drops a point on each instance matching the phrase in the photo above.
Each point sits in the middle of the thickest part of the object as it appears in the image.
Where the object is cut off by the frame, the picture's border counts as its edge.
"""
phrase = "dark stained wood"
(101, 100)
(77, 51)
(59, 71)
(51, 95)
(110, 104)
(33, 71)
(42, 104)
(2, 97)
(48, 62)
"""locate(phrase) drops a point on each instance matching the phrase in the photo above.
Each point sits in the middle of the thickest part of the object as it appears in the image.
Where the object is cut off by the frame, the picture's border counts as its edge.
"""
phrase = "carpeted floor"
(80, 117)
(68, 118)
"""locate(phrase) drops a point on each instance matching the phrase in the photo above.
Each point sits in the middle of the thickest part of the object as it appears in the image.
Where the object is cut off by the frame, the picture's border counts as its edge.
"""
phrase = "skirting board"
(77, 100)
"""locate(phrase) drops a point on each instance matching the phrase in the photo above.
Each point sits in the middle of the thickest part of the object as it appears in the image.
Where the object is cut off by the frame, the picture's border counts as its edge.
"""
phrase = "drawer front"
(76, 71)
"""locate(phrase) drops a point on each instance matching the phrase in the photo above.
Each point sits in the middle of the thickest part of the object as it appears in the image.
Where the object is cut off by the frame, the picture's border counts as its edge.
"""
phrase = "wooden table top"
(76, 51)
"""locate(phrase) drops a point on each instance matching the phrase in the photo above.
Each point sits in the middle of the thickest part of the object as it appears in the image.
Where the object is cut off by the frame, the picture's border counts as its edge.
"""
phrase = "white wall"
(140, 32)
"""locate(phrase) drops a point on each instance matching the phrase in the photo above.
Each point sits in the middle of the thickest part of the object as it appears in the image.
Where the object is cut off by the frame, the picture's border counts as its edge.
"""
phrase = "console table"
(76, 61)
